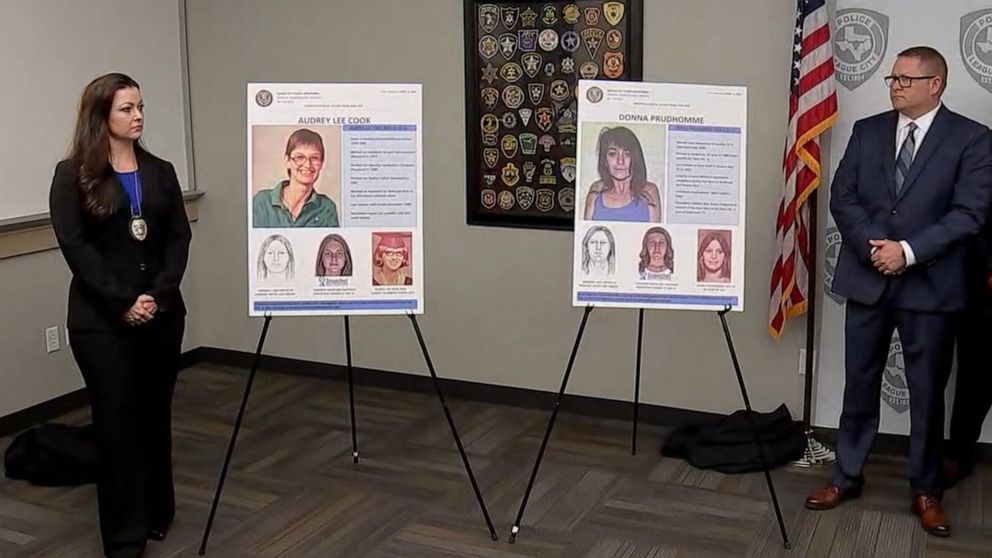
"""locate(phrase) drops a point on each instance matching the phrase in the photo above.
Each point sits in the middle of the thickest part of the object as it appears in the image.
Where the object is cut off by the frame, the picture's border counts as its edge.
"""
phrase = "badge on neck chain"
(138, 225)
(139, 228)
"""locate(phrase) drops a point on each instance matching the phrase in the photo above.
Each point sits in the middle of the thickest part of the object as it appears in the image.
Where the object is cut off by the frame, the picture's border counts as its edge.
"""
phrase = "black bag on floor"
(53, 455)
(727, 444)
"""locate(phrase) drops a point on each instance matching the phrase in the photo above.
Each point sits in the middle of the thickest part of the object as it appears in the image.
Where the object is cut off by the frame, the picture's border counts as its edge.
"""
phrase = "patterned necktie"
(905, 158)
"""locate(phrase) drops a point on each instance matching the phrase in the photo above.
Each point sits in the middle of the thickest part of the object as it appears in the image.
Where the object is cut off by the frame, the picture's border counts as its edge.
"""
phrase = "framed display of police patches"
(523, 61)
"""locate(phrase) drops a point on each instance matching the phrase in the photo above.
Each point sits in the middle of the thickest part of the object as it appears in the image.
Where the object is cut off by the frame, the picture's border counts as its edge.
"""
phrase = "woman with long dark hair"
(622, 192)
(118, 215)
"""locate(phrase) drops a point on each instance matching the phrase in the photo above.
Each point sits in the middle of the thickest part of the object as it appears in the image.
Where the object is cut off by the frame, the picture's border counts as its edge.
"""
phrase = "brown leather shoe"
(830, 496)
(931, 515)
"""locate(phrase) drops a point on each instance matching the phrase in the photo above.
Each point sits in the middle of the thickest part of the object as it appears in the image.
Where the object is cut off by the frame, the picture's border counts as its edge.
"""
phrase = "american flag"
(812, 111)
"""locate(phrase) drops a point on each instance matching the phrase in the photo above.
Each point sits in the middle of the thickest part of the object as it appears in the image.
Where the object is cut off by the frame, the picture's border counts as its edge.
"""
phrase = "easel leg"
(754, 428)
(234, 435)
(551, 425)
(351, 391)
(637, 380)
(454, 431)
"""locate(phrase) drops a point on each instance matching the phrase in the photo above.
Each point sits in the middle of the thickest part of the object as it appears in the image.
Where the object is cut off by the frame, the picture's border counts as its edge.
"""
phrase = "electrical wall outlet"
(52, 339)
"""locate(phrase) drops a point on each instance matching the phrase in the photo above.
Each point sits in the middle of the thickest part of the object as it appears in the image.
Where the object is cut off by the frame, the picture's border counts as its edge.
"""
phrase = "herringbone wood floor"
(293, 490)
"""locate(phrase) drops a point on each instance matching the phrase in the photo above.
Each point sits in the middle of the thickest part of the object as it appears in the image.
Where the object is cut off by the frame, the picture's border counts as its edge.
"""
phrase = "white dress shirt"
(923, 124)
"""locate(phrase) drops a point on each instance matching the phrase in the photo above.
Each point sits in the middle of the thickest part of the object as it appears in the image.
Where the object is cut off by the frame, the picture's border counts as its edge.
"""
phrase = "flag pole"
(815, 454)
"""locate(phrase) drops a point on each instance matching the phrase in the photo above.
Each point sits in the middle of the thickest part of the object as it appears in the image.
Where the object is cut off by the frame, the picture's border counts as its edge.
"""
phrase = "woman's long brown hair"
(90, 151)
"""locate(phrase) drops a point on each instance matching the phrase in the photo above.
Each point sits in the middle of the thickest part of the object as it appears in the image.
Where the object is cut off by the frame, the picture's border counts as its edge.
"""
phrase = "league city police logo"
(895, 392)
(263, 98)
(830, 263)
(976, 46)
(859, 45)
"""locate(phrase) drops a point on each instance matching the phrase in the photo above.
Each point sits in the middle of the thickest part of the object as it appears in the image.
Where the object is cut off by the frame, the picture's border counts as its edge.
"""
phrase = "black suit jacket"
(109, 268)
(944, 201)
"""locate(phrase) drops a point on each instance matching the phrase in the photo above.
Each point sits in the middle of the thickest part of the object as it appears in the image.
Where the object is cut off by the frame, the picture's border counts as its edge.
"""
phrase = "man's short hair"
(932, 60)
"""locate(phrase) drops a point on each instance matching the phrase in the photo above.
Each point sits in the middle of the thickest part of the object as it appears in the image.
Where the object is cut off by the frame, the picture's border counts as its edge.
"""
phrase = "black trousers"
(130, 376)
(927, 347)
(973, 390)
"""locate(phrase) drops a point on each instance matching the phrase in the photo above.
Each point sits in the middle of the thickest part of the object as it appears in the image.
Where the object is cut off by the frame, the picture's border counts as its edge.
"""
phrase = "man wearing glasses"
(293, 202)
(913, 187)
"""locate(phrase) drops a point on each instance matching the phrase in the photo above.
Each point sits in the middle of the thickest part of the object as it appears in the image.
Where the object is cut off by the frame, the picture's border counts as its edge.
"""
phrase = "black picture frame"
(479, 181)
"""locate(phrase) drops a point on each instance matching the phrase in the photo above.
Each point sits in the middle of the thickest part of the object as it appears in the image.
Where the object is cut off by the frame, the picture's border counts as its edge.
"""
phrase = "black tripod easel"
(354, 431)
(640, 333)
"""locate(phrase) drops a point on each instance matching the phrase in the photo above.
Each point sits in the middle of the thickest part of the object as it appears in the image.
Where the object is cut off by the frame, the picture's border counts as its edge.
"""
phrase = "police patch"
(489, 73)
(568, 65)
(489, 199)
(525, 114)
(547, 142)
(613, 12)
(509, 120)
(593, 37)
(527, 39)
(544, 117)
(528, 17)
(510, 16)
(488, 46)
(532, 63)
(859, 45)
(567, 165)
(571, 14)
(506, 200)
(976, 46)
(549, 69)
(489, 140)
(613, 64)
(528, 143)
(511, 72)
(490, 179)
(529, 169)
(566, 199)
(490, 124)
(559, 90)
(549, 15)
(491, 157)
(508, 45)
(513, 96)
(589, 70)
(510, 174)
(536, 92)
(544, 200)
(592, 15)
(490, 97)
(568, 141)
(488, 18)
(614, 38)
(548, 40)
(570, 41)
(566, 120)
(509, 147)
(525, 197)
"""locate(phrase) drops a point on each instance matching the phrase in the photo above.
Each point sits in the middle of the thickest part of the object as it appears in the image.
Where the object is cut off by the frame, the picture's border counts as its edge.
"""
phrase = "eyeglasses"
(301, 160)
(904, 81)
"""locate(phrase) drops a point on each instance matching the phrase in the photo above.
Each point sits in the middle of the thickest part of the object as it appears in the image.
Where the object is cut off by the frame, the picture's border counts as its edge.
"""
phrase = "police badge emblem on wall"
(523, 61)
